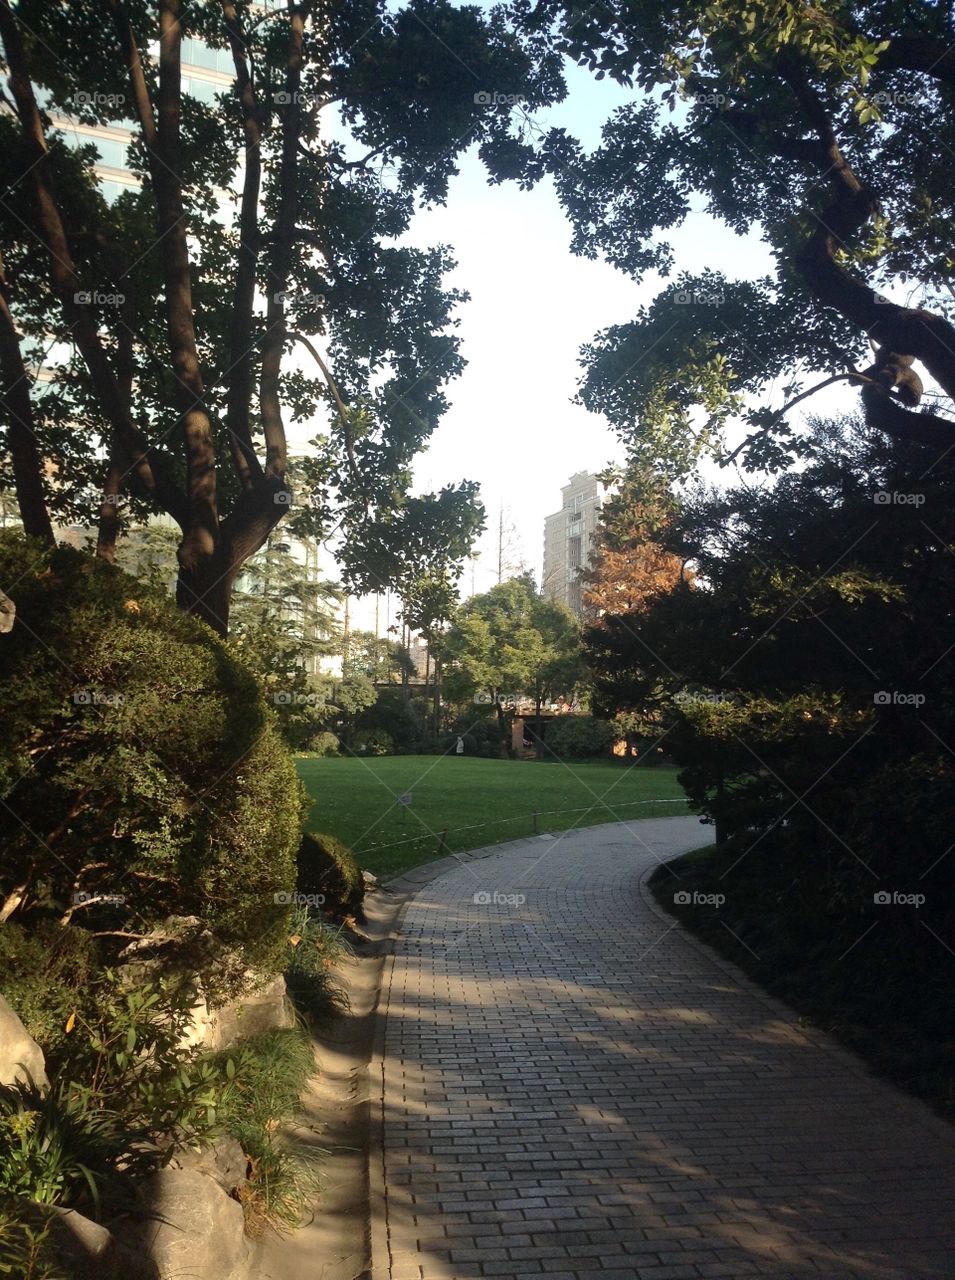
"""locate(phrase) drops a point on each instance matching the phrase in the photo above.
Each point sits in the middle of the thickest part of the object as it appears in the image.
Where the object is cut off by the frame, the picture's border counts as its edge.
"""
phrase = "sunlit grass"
(455, 804)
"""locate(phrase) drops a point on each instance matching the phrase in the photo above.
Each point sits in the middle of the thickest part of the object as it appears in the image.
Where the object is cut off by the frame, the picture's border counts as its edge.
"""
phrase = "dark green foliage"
(315, 947)
(806, 691)
(46, 973)
(784, 921)
(372, 742)
(578, 738)
(57, 1148)
(328, 867)
(324, 743)
(268, 1075)
(140, 762)
(28, 1249)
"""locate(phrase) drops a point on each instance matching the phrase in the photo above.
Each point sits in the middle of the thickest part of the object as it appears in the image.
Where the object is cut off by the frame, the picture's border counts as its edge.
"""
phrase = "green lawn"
(475, 802)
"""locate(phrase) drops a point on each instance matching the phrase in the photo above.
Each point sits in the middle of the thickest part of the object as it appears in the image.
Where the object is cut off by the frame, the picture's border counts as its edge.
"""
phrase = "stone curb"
(920, 1112)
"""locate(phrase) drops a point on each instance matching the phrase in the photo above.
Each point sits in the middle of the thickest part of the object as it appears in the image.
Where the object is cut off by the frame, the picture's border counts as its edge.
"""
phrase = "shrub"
(328, 867)
(140, 762)
(579, 737)
(373, 742)
(47, 974)
(27, 1243)
(269, 1074)
(315, 946)
(56, 1148)
(324, 744)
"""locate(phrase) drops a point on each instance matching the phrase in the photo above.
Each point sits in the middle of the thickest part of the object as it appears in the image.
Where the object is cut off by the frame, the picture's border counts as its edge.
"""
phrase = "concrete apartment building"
(569, 538)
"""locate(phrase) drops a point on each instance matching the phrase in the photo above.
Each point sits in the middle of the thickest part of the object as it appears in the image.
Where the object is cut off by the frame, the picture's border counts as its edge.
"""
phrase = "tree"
(823, 128)
(801, 683)
(166, 320)
(511, 641)
(377, 658)
(428, 603)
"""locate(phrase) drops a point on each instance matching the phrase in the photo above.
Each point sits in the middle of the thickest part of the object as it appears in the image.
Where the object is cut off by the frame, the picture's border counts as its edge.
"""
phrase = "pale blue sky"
(511, 425)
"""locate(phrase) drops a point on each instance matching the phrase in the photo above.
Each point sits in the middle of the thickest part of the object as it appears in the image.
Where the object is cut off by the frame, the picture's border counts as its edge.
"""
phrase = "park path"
(572, 1087)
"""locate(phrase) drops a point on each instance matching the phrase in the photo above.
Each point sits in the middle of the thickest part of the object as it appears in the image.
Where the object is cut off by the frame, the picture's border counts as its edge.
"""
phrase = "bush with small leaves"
(143, 772)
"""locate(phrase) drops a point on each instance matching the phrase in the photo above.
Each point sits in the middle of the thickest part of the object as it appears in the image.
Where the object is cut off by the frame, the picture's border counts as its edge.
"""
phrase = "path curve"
(572, 1087)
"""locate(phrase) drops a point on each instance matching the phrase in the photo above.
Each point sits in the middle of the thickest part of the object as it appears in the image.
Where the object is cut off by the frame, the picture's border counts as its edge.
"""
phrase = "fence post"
(442, 846)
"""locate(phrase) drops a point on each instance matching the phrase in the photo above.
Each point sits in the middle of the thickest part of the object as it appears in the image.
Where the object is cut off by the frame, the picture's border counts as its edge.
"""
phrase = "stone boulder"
(194, 1231)
(265, 1009)
(222, 1160)
(19, 1052)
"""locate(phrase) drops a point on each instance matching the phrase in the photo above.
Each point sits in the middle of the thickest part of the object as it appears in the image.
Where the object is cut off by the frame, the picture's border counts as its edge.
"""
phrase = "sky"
(512, 424)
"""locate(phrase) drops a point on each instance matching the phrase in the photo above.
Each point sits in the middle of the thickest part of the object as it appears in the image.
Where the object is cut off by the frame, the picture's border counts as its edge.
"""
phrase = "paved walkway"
(573, 1088)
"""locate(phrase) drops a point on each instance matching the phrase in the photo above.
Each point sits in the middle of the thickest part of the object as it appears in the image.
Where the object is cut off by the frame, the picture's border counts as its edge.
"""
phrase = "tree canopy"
(508, 642)
(165, 319)
(824, 129)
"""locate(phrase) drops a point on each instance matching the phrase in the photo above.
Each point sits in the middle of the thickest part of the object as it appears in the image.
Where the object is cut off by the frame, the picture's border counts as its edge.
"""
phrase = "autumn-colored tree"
(631, 566)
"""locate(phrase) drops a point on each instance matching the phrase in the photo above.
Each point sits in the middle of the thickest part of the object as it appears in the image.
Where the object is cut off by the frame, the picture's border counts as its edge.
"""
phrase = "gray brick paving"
(574, 1088)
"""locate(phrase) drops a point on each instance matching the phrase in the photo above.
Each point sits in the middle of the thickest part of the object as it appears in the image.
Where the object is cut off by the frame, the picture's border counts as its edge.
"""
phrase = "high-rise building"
(569, 539)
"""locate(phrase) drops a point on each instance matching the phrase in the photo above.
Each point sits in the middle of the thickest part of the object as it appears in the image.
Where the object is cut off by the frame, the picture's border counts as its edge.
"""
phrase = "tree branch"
(143, 460)
(239, 394)
(281, 259)
(18, 406)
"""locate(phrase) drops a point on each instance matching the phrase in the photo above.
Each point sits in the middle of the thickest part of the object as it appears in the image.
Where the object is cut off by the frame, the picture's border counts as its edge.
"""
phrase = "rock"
(90, 1248)
(8, 613)
(369, 878)
(195, 1231)
(267, 1009)
(19, 1052)
(223, 1160)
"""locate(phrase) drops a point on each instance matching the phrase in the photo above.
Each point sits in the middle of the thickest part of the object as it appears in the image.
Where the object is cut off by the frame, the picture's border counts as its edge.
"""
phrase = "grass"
(885, 993)
(471, 802)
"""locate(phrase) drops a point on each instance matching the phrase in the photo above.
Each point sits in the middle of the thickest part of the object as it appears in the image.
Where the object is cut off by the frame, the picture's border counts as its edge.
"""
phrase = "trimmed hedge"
(328, 867)
(141, 764)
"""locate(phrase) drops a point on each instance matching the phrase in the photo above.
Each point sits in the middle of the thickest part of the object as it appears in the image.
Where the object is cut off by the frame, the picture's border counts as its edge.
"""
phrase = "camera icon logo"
(482, 898)
(282, 98)
(282, 898)
(282, 499)
(681, 898)
(882, 499)
(881, 898)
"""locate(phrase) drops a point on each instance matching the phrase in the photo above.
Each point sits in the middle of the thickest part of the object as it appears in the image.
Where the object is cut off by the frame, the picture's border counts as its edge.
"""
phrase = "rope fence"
(442, 837)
